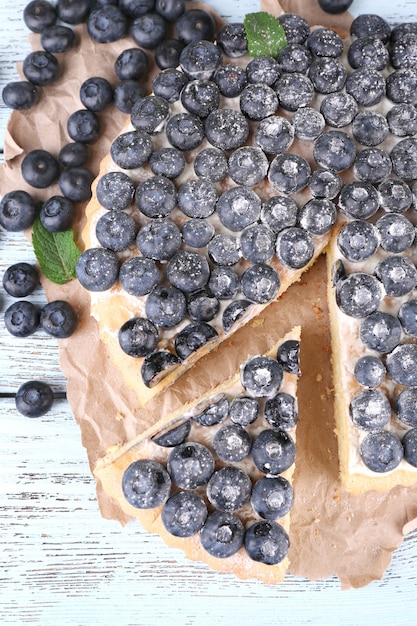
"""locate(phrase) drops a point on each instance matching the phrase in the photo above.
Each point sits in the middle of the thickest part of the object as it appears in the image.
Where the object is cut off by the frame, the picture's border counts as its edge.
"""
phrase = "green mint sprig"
(265, 35)
(56, 253)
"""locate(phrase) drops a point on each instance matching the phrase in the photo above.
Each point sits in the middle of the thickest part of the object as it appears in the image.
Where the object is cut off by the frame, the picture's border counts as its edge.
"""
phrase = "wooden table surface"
(61, 563)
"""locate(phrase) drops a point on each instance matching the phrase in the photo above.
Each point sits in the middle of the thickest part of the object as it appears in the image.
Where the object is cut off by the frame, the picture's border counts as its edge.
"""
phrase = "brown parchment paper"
(332, 533)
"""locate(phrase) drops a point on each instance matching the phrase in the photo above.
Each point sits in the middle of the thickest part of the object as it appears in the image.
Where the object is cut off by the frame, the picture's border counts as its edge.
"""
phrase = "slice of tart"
(215, 478)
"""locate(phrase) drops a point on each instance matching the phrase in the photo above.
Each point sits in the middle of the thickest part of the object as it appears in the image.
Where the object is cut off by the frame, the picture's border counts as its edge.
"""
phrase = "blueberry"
(39, 168)
(135, 8)
(202, 306)
(41, 68)
(248, 166)
(263, 69)
(170, 9)
(168, 162)
(261, 376)
(404, 158)
(272, 497)
(334, 6)
(402, 364)
(17, 211)
(21, 319)
(20, 280)
(308, 123)
(231, 39)
(150, 114)
(195, 25)
(197, 233)
(408, 317)
(324, 184)
(403, 51)
(399, 30)
(257, 243)
(273, 451)
(369, 371)
(327, 75)
(211, 164)
(34, 398)
(190, 465)
(372, 165)
(338, 109)
(294, 90)
(358, 240)
(84, 126)
(260, 283)
(406, 406)
(288, 355)
(75, 183)
(116, 231)
(73, 11)
(38, 15)
(338, 272)
(131, 64)
(370, 128)
(167, 53)
(148, 30)
(96, 93)
(243, 410)
(234, 312)
(359, 200)
(409, 443)
(380, 331)
(57, 214)
(200, 97)
(230, 79)
(359, 294)
(267, 542)
(169, 83)
(165, 306)
(370, 409)
(324, 42)
(146, 484)
(20, 95)
(296, 28)
(188, 271)
(232, 443)
(184, 514)
(59, 319)
(138, 337)
(238, 207)
(157, 366)
(395, 195)
(58, 39)
(294, 247)
(295, 57)
(368, 52)
(402, 85)
(381, 451)
(115, 190)
(396, 232)
(224, 250)
(138, 276)
(402, 120)
(97, 269)
(229, 489)
(289, 173)
(132, 149)
(213, 411)
(223, 283)
(317, 216)
(279, 212)
(193, 337)
(370, 25)
(222, 534)
(73, 154)
(172, 436)
(397, 274)
(156, 196)
(200, 59)
(274, 134)
(226, 129)
(126, 94)
(334, 150)
(185, 131)
(367, 86)
(281, 411)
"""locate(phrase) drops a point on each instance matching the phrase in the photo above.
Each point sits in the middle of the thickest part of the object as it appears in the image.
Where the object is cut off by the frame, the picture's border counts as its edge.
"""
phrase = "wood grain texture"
(61, 563)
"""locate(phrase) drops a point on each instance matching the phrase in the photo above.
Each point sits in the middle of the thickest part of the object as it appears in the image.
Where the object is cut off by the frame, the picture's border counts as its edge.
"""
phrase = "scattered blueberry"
(403, 50)
(295, 57)
(338, 109)
(229, 489)
(328, 75)
(185, 131)
(190, 465)
(131, 64)
(257, 243)
(402, 120)
(211, 164)
(39, 168)
(184, 514)
(296, 28)
(370, 25)
(21, 318)
(20, 279)
(370, 409)
(58, 39)
(59, 319)
(168, 162)
(288, 355)
(116, 230)
(370, 128)
(34, 398)
(272, 497)
(167, 53)
(263, 69)
(381, 451)
(324, 42)
(406, 406)
(231, 80)
(126, 94)
(150, 114)
(96, 93)
(267, 542)
(169, 9)
(224, 250)
(188, 271)
(404, 158)
(17, 211)
(41, 68)
(20, 95)
(334, 150)
(197, 198)
(317, 216)
(75, 183)
(324, 184)
(222, 534)
(57, 214)
(372, 165)
(308, 123)
(197, 233)
(195, 25)
(73, 154)
(169, 83)
(148, 30)
(38, 15)
(368, 52)
(401, 86)
(73, 11)
(367, 86)
(146, 484)
(200, 97)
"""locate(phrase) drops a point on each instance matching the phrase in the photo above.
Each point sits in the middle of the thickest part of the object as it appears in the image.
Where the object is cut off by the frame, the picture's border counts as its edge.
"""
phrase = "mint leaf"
(265, 35)
(56, 253)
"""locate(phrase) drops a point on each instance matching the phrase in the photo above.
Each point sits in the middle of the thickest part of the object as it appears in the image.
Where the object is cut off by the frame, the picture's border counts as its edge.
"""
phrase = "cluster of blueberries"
(207, 493)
